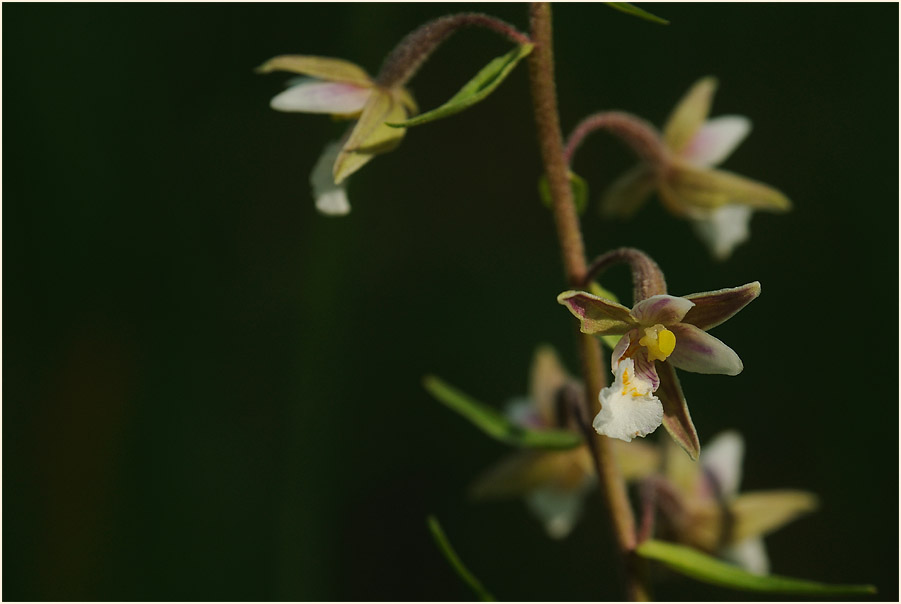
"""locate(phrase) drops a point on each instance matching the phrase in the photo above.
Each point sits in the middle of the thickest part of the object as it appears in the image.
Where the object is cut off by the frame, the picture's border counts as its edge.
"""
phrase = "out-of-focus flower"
(554, 483)
(658, 333)
(719, 203)
(343, 90)
(703, 508)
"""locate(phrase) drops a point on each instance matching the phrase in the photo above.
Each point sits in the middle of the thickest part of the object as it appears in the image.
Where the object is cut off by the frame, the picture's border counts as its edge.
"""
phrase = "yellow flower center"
(659, 341)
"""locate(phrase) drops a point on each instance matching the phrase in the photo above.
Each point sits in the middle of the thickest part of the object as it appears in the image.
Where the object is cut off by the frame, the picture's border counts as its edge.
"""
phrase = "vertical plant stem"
(550, 138)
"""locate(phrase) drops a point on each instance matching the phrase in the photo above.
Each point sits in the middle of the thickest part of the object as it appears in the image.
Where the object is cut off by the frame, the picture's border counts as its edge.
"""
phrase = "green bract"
(577, 184)
(475, 90)
(495, 424)
(692, 563)
(631, 9)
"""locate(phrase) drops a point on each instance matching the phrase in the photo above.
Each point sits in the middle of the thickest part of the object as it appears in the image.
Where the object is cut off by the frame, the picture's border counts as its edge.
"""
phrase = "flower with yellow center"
(658, 333)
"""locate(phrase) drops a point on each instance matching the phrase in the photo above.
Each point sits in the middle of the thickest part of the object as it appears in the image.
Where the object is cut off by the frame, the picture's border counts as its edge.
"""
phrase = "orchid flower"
(343, 90)
(703, 508)
(718, 203)
(658, 333)
(554, 483)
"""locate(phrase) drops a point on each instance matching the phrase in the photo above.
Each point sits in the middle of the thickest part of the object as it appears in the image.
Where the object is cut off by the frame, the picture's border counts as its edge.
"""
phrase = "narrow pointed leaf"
(483, 84)
(576, 183)
(455, 562)
(631, 9)
(495, 424)
(692, 563)
(676, 418)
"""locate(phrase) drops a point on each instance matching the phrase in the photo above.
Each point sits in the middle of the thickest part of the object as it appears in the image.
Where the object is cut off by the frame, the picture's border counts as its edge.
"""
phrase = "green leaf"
(576, 183)
(595, 288)
(495, 424)
(475, 90)
(692, 563)
(631, 9)
(449, 553)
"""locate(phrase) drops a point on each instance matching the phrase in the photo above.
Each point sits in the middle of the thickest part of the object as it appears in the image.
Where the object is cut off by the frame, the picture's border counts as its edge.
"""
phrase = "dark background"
(212, 392)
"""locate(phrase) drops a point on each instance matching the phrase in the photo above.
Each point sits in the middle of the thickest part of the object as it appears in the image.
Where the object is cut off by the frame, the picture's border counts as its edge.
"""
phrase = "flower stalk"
(410, 53)
(550, 138)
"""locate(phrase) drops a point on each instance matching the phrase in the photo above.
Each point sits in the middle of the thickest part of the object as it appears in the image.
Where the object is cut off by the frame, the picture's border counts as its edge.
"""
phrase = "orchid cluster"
(577, 434)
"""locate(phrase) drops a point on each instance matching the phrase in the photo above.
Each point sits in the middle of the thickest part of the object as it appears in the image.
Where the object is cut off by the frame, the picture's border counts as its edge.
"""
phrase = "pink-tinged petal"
(646, 370)
(599, 316)
(676, 418)
(628, 192)
(331, 199)
(662, 308)
(699, 352)
(619, 351)
(323, 68)
(316, 96)
(716, 307)
(723, 458)
(689, 115)
(716, 140)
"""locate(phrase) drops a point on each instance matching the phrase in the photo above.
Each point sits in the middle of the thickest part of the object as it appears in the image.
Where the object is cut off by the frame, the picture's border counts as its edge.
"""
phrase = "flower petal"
(370, 135)
(522, 472)
(724, 229)
(716, 140)
(723, 459)
(324, 68)
(699, 352)
(559, 510)
(636, 459)
(546, 378)
(316, 96)
(750, 554)
(689, 114)
(330, 198)
(676, 418)
(661, 308)
(628, 192)
(691, 190)
(759, 513)
(716, 307)
(629, 408)
(599, 316)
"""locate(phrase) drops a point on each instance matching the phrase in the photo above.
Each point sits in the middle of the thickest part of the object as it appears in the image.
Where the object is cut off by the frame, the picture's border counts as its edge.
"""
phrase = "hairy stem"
(550, 138)
(410, 53)
(647, 278)
(641, 136)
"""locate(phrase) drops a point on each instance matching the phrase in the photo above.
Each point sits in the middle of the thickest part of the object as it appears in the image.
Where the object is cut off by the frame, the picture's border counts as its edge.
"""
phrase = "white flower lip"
(629, 408)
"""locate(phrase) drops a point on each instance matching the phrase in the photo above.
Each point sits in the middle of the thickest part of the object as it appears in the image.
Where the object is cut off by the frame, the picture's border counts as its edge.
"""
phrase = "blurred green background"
(212, 392)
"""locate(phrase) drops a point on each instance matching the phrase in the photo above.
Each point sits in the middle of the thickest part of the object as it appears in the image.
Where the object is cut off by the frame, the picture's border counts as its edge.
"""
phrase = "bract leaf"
(576, 183)
(631, 9)
(449, 553)
(692, 563)
(495, 424)
(475, 90)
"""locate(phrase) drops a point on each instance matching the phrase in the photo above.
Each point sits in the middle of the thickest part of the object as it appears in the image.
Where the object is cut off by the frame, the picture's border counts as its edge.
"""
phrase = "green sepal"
(495, 424)
(598, 290)
(631, 9)
(483, 84)
(579, 188)
(444, 545)
(692, 563)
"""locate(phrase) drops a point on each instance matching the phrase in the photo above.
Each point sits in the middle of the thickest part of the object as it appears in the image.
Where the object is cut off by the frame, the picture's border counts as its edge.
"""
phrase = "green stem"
(550, 139)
